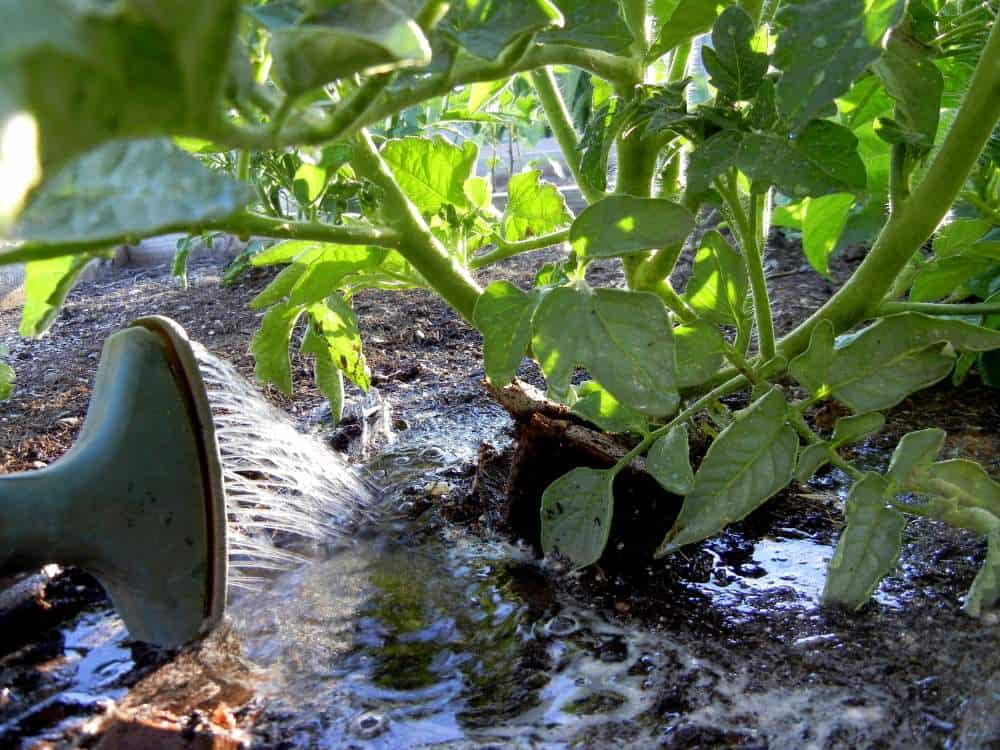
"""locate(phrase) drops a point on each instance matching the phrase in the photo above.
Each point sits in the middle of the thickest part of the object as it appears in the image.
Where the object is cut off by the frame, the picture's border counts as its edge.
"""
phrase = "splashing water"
(285, 491)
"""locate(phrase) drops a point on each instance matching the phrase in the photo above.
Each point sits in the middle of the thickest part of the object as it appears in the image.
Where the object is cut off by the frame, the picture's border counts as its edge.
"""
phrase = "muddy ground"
(909, 671)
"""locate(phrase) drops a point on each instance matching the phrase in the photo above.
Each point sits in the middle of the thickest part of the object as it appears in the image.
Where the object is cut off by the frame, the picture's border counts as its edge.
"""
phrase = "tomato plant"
(343, 135)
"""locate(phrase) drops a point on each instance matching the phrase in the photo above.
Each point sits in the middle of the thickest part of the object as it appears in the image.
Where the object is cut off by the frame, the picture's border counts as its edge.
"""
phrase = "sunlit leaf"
(623, 224)
(599, 407)
(486, 27)
(46, 284)
(718, 285)
(336, 336)
(503, 315)
(592, 24)
(823, 221)
(272, 364)
(533, 207)
(431, 171)
(736, 69)
(687, 19)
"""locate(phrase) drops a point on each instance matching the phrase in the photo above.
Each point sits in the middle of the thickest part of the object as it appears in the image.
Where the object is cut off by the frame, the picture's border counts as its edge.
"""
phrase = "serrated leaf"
(624, 339)
(751, 460)
(309, 183)
(985, 590)
(907, 69)
(868, 547)
(669, 461)
(811, 459)
(358, 36)
(132, 68)
(855, 428)
(700, 348)
(592, 24)
(576, 515)
(712, 159)
(336, 329)
(487, 27)
(599, 407)
(431, 171)
(877, 367)
(599, 135)
(534, 207)
(735, 68)
(269, 346)
(823, 221)
(46, 284)
(942, 276)
(822, 159)
(279, 287)
(915, 451)
(138, 188)
(623, 224)
(503, 315)
(717, 289)
(823, 47)
(688, 19)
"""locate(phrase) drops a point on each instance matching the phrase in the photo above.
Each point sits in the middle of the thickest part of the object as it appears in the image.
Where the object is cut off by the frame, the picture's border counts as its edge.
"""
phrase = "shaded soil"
(929, 673)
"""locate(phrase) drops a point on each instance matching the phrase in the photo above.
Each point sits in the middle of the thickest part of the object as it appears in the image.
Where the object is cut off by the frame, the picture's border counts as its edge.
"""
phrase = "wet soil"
(724, 646)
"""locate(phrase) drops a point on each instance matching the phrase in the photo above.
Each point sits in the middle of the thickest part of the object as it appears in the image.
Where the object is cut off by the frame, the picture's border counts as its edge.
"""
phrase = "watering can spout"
(137, 501)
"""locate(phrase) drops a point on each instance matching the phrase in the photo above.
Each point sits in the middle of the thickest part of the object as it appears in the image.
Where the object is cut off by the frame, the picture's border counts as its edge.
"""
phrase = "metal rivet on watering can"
(370, 725)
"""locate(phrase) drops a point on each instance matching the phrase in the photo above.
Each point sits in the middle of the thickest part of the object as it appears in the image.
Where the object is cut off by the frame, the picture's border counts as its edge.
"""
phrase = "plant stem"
(899, 188)
(561, 123)
(936, 308)
(243, 166)
(265, 226)
(797, 421)
(679, 62)
(506, 250)
(417, 243)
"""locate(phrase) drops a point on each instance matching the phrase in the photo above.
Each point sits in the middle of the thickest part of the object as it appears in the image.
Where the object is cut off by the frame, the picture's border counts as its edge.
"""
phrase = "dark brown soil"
(924, 665)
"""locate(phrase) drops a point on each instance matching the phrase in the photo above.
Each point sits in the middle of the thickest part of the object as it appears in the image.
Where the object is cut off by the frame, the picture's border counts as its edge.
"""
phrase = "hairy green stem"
(561, 123)
(506, 250)
(936, 308)
(243, 166)
(417, 244)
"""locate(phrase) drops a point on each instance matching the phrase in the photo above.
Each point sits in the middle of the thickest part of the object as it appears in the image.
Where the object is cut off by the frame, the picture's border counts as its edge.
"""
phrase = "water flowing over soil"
(429, 627)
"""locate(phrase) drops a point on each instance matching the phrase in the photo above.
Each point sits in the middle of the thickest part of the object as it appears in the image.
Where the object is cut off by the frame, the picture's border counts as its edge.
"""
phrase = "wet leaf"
(329, 378)
(269, 346)
(868, 547)
(599, 407)
(624, 339)
(336, 337)
(669, 461)
(985, 590)
(138, 188)
(534, 207)
(503, 315)
(717, 289)
(823, 221)
(624, 224)
(751, 460)
(576, 515)
(823, 46)
(431, 171)
(592, 24)
(735, 68)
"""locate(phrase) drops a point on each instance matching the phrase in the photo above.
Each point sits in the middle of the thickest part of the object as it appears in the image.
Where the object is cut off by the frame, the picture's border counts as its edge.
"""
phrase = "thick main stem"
(418, 244)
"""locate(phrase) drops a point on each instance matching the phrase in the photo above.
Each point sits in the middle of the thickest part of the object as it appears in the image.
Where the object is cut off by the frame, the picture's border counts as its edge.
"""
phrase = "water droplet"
(819, 77)
(819, 41)
(370, 725)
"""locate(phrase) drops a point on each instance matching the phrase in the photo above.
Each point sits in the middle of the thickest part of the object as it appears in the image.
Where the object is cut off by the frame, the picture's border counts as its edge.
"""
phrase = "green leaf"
(736, 69)
(913, 81)
(717, 289)
(178, 268)
(136, 188)
(309, 182)
(487, 27)
(503, 315)
(431, 171)
(914, 452)
(598, 137)
(956, 235)
(689, 19)
(669, 461)
(576, 515)
(270, 346)
(700, 350)
(89, 73)
(964, 480)
(852, 429)
(942, 276)
(533, 208)
(877, 367)
(811, 459)
(623, 224)
(712, 159)
(358, 36)
(7, 379)
(329, 378)
(46, 284)
(592, 24)
(823, 46)
(822, 159)
(280, 286)
(624, 339)
(599, 407)
(823, 222)
(868, 547)
(985, 590)
(337, 337)
(751, 460)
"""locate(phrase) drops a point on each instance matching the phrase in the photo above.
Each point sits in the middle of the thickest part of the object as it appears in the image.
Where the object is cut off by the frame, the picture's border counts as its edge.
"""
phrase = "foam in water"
(285, 491)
